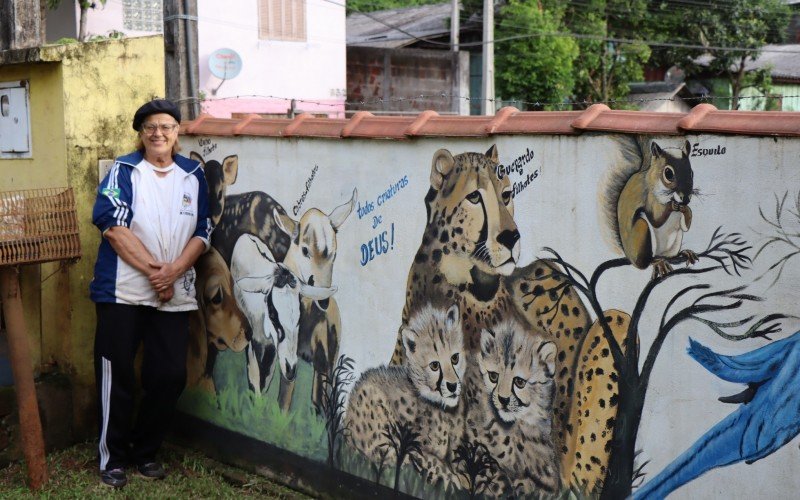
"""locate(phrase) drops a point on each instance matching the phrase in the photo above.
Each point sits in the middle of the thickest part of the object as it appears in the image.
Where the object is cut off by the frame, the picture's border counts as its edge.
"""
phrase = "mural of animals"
(458, 329)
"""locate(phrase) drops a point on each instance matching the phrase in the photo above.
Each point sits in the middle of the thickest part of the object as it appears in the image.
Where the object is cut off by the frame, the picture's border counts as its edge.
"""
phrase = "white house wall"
(273, 72)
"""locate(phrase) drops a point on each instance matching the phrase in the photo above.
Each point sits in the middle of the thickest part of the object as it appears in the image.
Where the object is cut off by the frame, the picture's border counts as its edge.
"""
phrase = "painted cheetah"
(424, 395)
(512, 416)
(469, 255)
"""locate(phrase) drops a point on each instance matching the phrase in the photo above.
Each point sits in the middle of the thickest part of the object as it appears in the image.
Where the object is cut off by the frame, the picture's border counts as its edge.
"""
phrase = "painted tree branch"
(332, 406)
(782, 234)
(729, 251)
(404, 441)
(475, 464)
(588, 290)
(733, 300)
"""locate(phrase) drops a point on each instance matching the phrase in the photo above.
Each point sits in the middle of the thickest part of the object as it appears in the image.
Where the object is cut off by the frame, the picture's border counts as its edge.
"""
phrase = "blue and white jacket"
(122, 201)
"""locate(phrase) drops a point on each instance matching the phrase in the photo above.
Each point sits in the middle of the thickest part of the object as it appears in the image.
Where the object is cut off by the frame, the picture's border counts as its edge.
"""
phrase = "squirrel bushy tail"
(632, 155)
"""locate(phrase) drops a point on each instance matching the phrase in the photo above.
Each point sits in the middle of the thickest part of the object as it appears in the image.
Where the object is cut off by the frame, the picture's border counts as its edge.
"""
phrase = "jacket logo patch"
(186, 205)
(111, 192)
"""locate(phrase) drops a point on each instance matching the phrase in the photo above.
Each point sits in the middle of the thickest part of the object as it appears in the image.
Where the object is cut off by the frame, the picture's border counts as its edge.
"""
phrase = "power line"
(532, 34)
(651, 43)
(426, 98)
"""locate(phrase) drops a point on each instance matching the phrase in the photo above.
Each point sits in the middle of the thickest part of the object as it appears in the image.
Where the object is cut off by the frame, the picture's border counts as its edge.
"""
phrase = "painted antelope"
(269, 294)
(218, 177)
(249, 213)
(256, 213)
(310, 256)
(219, 324)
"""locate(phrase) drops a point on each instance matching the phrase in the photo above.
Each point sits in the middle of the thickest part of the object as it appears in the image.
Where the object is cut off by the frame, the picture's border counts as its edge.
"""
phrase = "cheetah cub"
(424, 395)
(513, 414)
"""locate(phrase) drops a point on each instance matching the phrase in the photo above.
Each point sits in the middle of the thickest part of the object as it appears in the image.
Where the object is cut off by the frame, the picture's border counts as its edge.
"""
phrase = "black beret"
(153, 107)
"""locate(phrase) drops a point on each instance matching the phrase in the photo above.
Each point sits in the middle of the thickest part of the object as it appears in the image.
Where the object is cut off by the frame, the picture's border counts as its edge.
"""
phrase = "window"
(282, 20)
(143, 15)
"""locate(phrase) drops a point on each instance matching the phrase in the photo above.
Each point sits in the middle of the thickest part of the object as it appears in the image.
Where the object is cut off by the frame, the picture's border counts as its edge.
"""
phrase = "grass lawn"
(73, 474)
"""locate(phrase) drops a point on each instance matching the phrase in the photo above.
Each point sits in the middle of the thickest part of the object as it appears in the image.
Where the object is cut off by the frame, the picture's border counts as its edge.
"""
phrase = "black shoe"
(151, 470)
(115, 478)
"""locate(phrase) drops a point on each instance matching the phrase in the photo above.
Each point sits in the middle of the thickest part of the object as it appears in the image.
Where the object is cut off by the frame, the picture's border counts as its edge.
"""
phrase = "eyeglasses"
(165, 128)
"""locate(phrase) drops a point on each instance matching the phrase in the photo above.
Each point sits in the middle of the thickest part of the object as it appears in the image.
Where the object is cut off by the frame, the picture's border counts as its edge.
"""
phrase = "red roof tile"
(759, 123)
(265, 127)
(539, 122)
(379, 127)
(455, 126)
(597, 118)
(208, 125)
(320, 127)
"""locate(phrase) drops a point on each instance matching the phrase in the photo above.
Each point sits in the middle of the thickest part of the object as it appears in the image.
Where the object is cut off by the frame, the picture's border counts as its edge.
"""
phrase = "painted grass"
(411, 482)
(236, 408)
(73, 474)
(301, 430)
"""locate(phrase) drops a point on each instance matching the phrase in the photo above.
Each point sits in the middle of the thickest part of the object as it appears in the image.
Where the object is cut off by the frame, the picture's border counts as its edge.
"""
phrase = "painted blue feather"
(756, 429)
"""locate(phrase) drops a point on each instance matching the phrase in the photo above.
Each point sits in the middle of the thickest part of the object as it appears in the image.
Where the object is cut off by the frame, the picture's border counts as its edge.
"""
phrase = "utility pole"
(180, 54)
(487, 79)
(20, 25)
(454, 25)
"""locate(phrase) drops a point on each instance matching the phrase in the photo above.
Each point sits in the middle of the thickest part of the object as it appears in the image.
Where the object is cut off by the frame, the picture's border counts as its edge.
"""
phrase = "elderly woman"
(152, 210)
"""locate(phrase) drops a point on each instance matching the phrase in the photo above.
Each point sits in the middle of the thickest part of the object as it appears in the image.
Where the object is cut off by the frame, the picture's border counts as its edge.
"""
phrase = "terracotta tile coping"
(703, 118)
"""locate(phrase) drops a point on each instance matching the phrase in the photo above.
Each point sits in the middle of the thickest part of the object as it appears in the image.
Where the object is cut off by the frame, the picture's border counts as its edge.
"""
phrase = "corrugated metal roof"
(379, 29)
(784, 61)
(651, 94)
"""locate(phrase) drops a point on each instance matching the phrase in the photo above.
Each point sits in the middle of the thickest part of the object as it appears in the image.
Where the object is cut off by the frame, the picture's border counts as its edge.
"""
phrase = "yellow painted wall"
(82, 100)
(104, 83)
(45, 168)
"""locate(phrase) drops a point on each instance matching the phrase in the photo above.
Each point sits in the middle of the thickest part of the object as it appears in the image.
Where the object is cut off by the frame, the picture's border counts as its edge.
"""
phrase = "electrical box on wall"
(15, 130)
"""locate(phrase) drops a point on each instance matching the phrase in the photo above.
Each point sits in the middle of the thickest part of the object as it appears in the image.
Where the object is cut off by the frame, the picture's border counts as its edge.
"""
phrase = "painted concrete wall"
(316, 66)
(82, 100)
(555, 191)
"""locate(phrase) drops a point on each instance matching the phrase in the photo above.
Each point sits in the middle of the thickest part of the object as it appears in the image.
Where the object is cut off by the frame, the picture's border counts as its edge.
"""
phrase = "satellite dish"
(225, 64)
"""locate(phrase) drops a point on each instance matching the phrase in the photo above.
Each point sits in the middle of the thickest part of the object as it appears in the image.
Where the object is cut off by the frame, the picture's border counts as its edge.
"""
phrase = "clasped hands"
(163, 278)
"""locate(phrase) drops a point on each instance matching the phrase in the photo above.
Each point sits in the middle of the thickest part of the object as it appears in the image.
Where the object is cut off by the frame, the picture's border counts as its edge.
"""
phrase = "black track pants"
(121, 329)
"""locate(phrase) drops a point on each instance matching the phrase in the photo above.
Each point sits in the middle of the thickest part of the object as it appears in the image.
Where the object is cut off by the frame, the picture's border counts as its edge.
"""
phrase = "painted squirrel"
(646, 204)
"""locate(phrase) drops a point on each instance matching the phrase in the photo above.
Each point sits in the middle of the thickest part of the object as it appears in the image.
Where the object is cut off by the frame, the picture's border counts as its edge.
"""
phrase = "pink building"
(288, 49)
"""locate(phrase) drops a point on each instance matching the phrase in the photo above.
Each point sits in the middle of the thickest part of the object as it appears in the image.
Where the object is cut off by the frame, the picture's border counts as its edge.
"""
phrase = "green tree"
(534, 68)
(605, 65)
(730, 35)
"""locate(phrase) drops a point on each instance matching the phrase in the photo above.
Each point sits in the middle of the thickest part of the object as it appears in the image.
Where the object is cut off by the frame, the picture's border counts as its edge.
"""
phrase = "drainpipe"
(190, 59)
